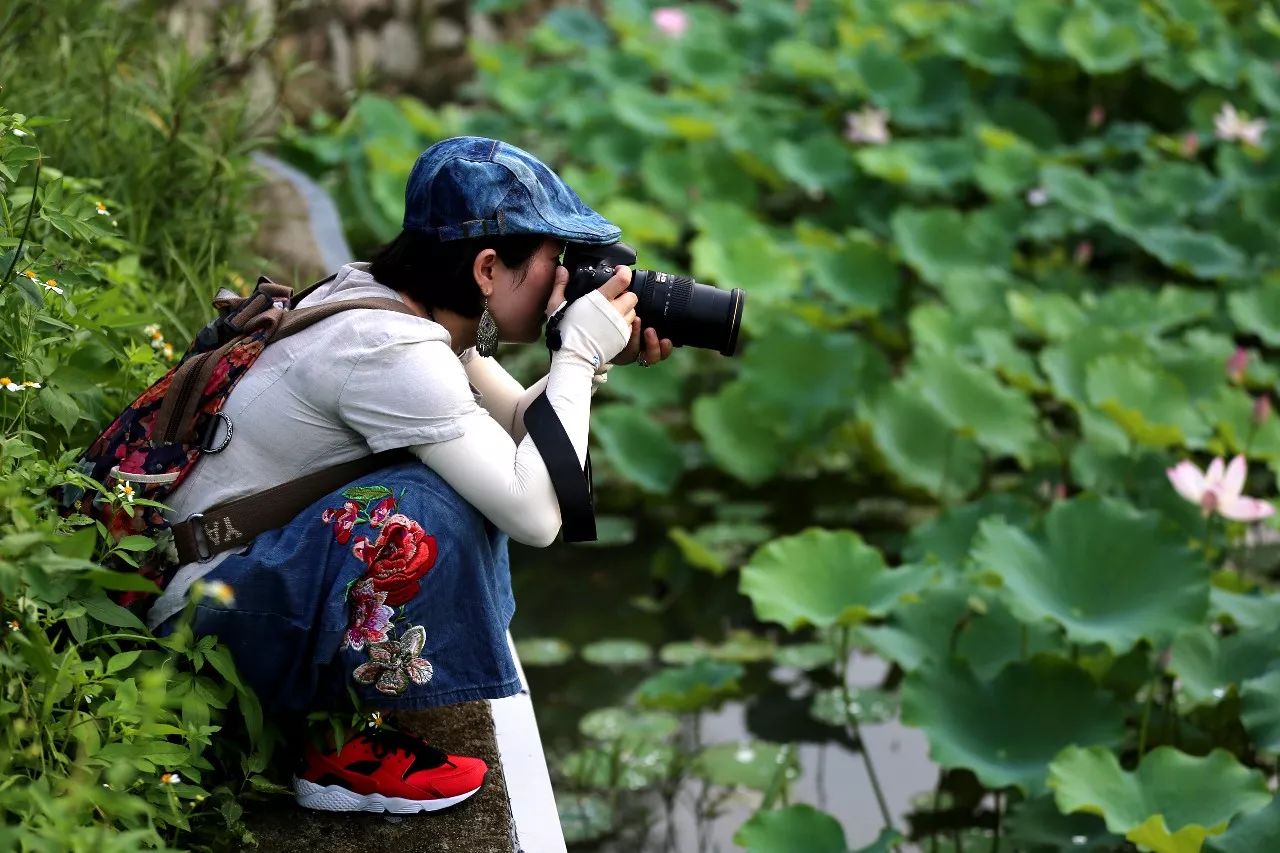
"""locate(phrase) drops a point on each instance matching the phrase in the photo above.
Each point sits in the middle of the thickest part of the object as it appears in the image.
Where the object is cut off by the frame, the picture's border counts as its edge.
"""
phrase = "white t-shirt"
(365, 381)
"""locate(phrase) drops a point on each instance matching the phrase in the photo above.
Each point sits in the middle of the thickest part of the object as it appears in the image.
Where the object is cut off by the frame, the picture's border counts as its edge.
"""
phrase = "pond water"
(584, 594)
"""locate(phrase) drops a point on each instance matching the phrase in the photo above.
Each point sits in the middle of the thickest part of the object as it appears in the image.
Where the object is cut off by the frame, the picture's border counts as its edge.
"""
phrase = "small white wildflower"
(1229, 125)
(375, 720)
(170, 778)
(8, 384)
(1037, 196)
(17, 131)
(102, 209)
(124, 492)
(167, 350)
(219, 591)
(52, 284)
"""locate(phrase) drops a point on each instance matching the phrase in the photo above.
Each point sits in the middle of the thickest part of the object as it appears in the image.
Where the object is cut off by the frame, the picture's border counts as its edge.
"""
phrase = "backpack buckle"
(203, 552)
(207, 445)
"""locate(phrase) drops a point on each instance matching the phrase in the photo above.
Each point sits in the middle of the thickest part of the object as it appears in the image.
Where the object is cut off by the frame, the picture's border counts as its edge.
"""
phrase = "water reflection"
(593, 598)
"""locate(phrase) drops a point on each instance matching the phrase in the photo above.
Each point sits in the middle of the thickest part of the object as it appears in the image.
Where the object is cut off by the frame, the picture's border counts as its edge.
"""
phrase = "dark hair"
(438, 275)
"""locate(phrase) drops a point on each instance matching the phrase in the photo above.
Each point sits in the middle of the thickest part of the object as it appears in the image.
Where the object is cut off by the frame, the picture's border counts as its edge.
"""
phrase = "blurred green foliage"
(1006, 262)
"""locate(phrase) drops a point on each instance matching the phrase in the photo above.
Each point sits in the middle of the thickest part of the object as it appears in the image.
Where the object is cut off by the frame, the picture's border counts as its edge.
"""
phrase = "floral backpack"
(155, 443)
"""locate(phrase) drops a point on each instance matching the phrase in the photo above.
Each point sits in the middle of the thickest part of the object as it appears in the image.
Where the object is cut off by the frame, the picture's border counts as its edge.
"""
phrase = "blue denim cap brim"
(470, 186)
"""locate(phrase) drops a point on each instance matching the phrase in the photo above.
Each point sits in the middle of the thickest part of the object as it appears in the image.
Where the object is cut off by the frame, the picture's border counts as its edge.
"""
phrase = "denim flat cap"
(469, 186)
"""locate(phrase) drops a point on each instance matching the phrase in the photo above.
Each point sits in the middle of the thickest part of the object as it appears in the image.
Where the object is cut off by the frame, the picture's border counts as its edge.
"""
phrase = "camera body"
(687, 312)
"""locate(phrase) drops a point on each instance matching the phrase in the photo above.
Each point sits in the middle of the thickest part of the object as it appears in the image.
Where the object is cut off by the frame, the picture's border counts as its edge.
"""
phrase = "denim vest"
(393, 586)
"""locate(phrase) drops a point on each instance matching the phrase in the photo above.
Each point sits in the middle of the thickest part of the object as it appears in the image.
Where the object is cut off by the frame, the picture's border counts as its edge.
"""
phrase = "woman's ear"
(483, 269)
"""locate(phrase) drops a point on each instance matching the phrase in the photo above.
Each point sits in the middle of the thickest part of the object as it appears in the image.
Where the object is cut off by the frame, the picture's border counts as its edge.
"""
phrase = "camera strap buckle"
(554, 339)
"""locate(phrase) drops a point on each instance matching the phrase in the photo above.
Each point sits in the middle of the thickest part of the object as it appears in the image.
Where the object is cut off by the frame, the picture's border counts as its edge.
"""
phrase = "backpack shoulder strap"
(181, 403)
(235, 523)
(301, 318)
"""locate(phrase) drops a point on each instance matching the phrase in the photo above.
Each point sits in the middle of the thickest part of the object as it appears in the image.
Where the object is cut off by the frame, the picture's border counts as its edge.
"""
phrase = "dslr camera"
(685, 311)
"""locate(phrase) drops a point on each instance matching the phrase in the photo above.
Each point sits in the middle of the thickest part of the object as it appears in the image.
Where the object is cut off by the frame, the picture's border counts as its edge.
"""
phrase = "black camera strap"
(573, 487)
(574, 490)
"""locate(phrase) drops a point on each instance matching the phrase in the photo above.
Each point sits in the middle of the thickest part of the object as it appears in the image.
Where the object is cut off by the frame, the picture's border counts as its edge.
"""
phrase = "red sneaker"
(386, 771)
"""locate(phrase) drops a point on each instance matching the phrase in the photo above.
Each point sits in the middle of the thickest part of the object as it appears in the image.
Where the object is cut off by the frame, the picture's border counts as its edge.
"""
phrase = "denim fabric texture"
(393, 586)
(470, 186)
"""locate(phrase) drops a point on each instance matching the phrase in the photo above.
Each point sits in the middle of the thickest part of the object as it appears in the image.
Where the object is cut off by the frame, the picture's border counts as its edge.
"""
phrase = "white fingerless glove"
(593, 331)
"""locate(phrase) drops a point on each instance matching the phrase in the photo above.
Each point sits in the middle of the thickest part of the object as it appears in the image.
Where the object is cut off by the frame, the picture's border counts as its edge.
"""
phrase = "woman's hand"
(654, 350)
(646, 344)
(614, 290)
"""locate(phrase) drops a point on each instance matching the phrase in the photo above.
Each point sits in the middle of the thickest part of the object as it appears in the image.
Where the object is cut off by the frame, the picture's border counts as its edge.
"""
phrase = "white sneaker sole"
(334, 798)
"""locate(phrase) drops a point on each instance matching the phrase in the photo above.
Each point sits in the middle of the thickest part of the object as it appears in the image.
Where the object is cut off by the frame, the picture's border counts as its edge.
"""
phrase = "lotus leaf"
(543, 651)
(865, 705)
(638, 447)
(628, 765)
(620, 652)
(920, 447)
(1260, 710)
(610, 724)
(1208, 666)
(1008, 730)
(1099, 41)
(823, 578)
(1249, 833)
(584, 817)
(974, 402)
(952, 623)
(1037, 826)
(758, 765)
(701, 684)
(1106, 572)
(939, 242)
(1170, 804)
(798, 827)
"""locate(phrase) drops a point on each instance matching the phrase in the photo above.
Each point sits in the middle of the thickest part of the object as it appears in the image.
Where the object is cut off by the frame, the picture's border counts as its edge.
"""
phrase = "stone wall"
(302, 55)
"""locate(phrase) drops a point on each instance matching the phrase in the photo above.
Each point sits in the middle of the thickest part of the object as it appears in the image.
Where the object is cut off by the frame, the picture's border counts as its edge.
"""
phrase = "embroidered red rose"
(342, 519)
(399, 559)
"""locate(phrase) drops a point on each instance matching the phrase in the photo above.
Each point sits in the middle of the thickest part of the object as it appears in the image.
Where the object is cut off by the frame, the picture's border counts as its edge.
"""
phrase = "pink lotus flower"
(1230, 124)
(1237, 364)
(1083, 253)
(1261, 410)
(370, 616)
(868, 125)
(670, 21)
(1218, 489)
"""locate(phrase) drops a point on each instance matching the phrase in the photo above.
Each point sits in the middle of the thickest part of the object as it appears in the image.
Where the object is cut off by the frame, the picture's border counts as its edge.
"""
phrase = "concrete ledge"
(533, 805)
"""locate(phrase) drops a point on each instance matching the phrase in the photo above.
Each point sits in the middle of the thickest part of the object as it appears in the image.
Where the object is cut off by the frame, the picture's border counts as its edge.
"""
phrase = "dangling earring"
(486, 333)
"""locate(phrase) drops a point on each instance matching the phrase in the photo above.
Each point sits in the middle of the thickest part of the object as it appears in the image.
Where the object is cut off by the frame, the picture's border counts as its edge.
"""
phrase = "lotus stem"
(851, 721)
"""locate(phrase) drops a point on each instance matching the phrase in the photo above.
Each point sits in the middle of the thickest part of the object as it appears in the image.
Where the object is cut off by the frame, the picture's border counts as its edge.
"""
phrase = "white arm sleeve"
(509, 482)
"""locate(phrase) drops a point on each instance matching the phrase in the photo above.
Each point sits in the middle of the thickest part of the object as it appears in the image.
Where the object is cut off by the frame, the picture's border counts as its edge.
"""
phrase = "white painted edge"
(533, 805)
(322, 212)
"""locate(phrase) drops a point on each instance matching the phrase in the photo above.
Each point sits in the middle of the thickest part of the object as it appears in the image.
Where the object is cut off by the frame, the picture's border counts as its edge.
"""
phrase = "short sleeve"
(402, 392)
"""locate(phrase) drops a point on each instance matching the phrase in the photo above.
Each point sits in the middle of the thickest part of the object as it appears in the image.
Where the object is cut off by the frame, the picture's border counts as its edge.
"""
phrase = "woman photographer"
(396, 589)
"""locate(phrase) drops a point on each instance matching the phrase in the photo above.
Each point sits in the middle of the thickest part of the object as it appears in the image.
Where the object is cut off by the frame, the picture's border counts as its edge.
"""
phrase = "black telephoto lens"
(677, 307)
(689, 313)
